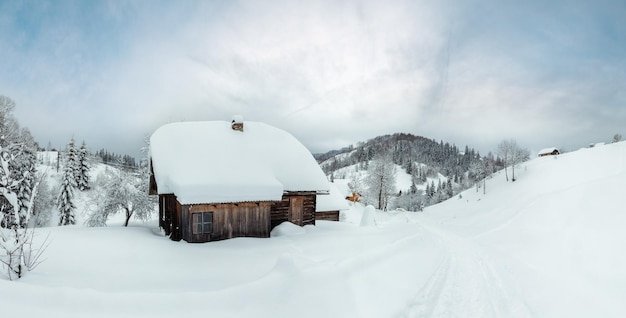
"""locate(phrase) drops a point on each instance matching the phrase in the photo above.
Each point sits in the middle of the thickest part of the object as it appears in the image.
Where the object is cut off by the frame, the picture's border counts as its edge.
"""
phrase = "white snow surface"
(208, 162)
(333, 201)
(550, 244)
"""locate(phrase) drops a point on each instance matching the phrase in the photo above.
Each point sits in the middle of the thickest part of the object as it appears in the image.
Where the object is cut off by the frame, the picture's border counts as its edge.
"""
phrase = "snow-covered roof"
(547, 150)
(333, 201)
(209, 162)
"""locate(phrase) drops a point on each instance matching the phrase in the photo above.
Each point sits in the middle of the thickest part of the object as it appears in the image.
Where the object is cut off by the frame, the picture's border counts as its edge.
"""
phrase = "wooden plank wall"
(177, 234)
(280, 210)
(246, 219)
(152, 188)
(167, 209)
(327, 216)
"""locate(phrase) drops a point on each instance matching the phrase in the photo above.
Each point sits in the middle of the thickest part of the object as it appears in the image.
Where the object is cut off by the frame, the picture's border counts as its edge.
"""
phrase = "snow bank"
(333, 201)
(287, 229)
(557, 230)
(368, 216)
(548, 245)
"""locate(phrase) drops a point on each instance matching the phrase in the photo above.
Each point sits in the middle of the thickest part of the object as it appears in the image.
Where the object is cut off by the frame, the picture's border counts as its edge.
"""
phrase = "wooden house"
(354, 197)
(549, 152)
(218, 180)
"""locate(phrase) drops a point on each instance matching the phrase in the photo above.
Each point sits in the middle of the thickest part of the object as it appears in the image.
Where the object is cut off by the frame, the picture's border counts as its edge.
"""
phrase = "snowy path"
(466, 284)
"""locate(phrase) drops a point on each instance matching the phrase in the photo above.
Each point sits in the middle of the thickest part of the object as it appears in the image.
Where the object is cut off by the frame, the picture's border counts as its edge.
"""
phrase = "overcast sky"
(332, 73)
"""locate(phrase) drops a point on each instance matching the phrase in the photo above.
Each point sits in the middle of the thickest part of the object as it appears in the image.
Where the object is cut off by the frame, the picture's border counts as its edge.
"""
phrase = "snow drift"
(548, 245)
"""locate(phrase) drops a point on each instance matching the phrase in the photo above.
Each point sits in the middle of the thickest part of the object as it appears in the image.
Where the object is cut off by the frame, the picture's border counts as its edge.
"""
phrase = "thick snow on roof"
(333, 201)
(208, 162)
(547, 150)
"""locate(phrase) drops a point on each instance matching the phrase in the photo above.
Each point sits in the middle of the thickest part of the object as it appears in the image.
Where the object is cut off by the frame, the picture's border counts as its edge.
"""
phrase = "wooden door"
(296, 209)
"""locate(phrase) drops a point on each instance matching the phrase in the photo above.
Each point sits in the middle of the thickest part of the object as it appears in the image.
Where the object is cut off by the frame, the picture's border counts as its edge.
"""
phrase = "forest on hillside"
(423, 159)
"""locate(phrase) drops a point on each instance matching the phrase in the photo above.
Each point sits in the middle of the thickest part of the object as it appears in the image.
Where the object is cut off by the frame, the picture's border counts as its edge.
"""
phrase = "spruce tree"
(82, 180)
(23, 167)
(64, 200)
(449, 189)
(72, 161)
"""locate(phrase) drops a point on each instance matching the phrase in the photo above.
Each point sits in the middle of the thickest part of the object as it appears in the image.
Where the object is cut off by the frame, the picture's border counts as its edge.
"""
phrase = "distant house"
(329, 206)
(549, 152)
(218, 180)
(354, 197)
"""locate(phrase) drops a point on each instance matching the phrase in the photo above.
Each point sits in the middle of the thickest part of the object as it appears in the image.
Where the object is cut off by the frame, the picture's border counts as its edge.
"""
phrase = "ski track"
(466, 284)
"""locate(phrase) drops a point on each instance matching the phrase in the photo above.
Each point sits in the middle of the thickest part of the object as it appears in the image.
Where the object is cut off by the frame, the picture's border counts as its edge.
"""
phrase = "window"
(202, 223)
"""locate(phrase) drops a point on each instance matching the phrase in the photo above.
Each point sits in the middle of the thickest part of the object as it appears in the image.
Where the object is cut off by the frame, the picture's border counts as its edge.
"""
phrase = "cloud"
(330, 72)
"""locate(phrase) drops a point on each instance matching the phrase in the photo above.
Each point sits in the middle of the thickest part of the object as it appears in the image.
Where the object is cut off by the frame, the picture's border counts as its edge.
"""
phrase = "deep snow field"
(551, 244)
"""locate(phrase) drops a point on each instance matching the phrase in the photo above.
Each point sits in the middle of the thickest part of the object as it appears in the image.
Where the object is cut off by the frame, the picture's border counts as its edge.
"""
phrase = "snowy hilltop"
(426, 172)
(547, 245)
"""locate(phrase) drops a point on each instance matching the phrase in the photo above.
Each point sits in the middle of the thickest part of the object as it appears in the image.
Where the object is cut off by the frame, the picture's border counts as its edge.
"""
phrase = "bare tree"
(9, 127)
(512, 155)
(617, 137)
(477, 170)
(381, 179)
(519, 155)
(505, 152)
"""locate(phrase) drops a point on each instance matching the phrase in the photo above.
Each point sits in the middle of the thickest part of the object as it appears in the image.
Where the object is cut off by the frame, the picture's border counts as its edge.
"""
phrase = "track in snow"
(466, 284)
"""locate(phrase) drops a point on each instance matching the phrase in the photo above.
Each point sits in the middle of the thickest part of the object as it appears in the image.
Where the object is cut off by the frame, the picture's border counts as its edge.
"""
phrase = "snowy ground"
(548, 245)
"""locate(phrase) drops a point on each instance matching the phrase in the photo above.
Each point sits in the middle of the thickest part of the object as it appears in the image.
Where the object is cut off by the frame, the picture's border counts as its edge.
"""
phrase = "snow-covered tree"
(82, 177)
(18, 188)
(17, 254)
(381, 180)
(65, 199)
(23, 166)
(511, 155)
(505, 152)
(617, 137)
(355, 184)
(43, 203)
(477, 172)
(123, 192)
(71, 161)
(19, 148)
(449, 188)
(9, 127)
(519, 155)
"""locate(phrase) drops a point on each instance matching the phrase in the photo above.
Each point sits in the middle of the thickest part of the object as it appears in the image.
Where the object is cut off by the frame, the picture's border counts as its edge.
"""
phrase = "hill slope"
(558, 230)
(547, 245)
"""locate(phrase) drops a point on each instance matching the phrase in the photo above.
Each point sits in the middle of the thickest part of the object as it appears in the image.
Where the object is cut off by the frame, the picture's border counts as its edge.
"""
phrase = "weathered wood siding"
(280, 210)
(327, 216)
(152, 189)
(169, 214)
(246, 219)
(177, 227)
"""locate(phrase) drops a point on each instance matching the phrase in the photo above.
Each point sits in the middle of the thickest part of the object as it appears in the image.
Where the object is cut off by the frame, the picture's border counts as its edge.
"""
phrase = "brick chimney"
(237, 123)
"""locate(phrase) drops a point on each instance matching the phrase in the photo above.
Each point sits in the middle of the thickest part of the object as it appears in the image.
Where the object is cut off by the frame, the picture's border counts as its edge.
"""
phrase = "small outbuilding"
(549, 152)
(218, 180)
(329, 206)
